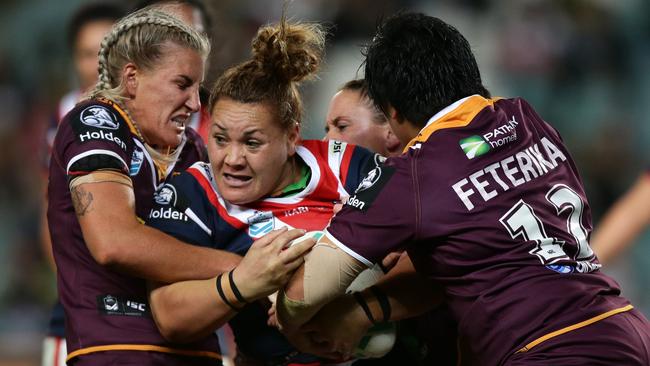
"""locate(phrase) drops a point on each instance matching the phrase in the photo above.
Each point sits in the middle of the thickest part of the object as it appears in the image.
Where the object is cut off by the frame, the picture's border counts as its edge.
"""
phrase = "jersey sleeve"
(182, 210)
(357, 162)
(380, 216)
(93, 137)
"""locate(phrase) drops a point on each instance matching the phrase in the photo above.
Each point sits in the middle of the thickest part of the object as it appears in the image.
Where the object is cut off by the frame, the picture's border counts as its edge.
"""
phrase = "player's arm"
(402, 293)
(624, 221)
(326, 274)
(189, 310)
(105, 205)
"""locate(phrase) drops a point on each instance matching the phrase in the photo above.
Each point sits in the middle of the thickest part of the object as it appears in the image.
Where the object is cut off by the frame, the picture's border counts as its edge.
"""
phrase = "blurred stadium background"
(581, 63)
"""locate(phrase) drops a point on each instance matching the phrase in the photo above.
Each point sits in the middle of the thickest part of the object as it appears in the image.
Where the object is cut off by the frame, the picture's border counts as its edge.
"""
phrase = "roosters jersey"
(490, 205)
(190, 208)
(107, 310)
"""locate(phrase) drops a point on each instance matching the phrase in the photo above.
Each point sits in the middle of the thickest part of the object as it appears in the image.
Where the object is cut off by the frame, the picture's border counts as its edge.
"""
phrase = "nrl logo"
(100, 117)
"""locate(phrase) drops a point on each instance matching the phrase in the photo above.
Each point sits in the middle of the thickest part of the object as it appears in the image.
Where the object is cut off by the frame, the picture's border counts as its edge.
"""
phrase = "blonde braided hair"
(139, 38)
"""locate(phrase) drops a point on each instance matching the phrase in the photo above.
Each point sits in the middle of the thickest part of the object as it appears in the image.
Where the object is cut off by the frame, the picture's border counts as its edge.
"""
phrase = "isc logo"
(136, 305)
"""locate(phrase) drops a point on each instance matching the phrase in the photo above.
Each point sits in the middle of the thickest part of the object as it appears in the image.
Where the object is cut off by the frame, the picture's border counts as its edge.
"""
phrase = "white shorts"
(54, 351)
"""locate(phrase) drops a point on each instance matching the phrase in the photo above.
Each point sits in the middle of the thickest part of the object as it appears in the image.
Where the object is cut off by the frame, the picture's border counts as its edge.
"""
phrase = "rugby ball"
(380, 338)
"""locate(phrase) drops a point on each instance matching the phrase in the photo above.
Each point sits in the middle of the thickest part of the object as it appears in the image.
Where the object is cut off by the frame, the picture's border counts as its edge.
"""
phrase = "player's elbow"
(105, 252)
(171, 326)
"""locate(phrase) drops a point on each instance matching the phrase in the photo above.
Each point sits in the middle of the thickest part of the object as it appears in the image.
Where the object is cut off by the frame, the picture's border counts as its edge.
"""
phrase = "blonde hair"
(283, 55)
(140, 38)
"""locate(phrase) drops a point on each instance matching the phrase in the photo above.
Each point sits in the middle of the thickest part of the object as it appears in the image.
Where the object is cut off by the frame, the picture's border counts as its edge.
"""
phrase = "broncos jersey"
(492, 206)
(105, 309)
(190, 208)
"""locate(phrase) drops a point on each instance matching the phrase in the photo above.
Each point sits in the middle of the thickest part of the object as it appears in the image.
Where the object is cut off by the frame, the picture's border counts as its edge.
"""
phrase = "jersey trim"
(570, 328)
(94, 152)
(458, 114)
(125, 116)
(348, 250)
(345, 163)
(212, 197)
(142, 347)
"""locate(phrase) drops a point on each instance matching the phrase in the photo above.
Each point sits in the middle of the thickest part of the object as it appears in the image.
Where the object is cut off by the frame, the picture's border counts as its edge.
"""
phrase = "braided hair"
(283, 55)
(139, 38)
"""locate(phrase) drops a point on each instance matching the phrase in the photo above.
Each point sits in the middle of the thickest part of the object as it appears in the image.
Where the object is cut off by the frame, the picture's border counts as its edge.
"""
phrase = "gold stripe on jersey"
(570, 328)
(142, 347)
(122, 113)
(460, 116)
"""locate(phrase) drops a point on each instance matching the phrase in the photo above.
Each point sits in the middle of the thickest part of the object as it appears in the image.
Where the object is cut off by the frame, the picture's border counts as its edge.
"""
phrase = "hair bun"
(290, 52)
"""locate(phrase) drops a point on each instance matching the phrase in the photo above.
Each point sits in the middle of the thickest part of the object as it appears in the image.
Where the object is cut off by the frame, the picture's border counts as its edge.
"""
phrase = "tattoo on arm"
(81, 200)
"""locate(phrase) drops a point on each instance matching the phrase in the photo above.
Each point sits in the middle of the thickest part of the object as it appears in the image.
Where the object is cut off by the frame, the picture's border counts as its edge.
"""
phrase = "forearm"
(624, 222)
(326, 274)
(408, 293)
(116, 239)
(189, 310)
(157, 256)
(192, 309)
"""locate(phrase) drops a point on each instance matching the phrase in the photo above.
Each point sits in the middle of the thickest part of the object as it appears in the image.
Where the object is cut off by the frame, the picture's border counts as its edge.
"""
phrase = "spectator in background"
(86, 29)
(623, 223)
(353, 118)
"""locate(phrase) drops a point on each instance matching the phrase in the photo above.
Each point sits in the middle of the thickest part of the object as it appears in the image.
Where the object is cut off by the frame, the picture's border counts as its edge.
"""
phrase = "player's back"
(504, 225)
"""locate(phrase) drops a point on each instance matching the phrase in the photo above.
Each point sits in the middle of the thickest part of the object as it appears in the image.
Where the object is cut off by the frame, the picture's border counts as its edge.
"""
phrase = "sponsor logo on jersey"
(100, 117)
(296, 211)
(260, 223)
(560, 268)
(370, 180)
(101, 135)
(114, 305)
(474, 146)
(136, 162)
(369, 188)
(169, 213)
(337, 146)
(165, 195)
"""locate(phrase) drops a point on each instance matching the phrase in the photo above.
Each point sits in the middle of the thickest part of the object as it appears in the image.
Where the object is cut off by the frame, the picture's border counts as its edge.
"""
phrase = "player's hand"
(272, 321)
(269, 264)
(336, 330)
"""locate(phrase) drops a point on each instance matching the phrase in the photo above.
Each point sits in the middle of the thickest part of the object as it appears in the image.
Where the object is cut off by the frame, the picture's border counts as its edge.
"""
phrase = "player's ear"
(293, 138)
(392, 143)
(130, 79)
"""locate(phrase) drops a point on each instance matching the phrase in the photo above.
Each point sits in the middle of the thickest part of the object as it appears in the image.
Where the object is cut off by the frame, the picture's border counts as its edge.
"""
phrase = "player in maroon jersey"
(490, 206)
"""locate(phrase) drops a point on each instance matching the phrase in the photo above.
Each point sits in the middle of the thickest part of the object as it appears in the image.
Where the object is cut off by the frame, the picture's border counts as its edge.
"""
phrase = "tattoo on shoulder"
(81, 200)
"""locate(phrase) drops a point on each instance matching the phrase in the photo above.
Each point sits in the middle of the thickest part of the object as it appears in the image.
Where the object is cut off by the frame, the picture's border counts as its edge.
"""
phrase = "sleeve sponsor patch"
(369, 188)
(99, 123)
(116, 305)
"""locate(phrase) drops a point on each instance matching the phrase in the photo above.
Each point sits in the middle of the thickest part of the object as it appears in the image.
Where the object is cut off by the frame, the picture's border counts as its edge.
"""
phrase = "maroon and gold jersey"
(104, 309)
(488, 202)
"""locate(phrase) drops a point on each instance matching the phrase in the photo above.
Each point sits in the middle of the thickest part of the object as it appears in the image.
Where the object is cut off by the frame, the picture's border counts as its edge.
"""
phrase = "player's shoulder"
(98, 120)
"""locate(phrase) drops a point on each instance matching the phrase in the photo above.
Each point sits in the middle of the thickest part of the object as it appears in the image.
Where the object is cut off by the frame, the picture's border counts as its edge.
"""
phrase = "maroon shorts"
(621, 339)
(140, 358)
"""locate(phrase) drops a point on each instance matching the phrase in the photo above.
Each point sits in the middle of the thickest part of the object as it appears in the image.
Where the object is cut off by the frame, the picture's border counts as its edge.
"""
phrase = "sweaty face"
(350, 119)
(86, 49)
(163, 97)
(249, 151)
